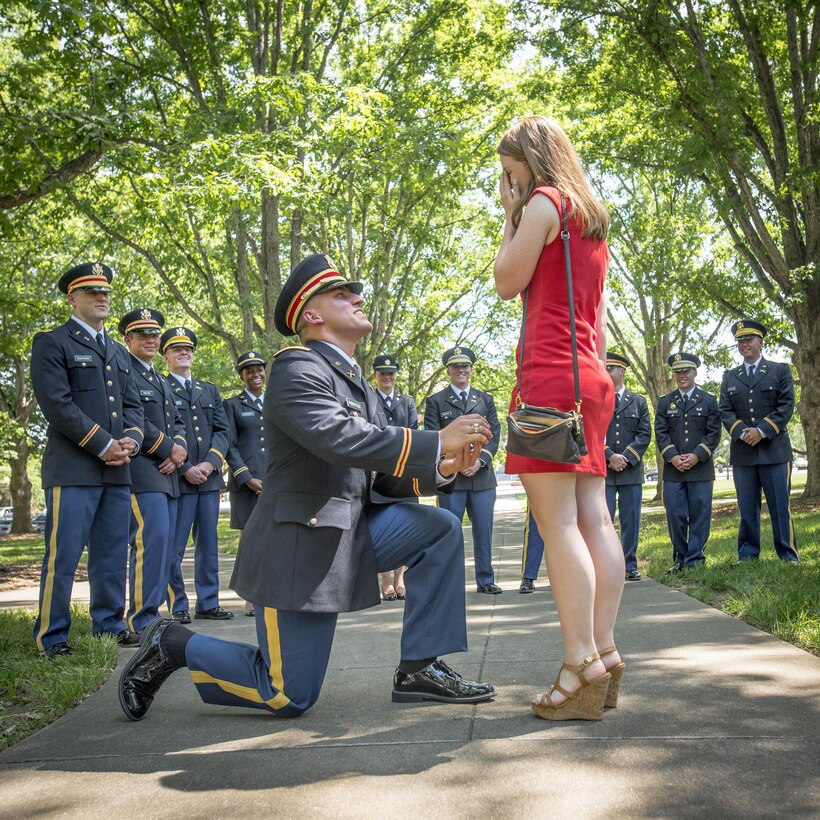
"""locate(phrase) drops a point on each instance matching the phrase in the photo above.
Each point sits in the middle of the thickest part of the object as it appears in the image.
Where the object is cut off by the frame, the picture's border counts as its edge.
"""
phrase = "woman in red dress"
(585, 561)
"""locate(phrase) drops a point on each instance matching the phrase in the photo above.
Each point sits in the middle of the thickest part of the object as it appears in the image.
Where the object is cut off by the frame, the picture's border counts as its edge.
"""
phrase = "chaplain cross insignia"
(351, 374)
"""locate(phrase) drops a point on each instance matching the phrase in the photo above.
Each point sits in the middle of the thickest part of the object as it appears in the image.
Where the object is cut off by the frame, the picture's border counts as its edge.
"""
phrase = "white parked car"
(801, 463)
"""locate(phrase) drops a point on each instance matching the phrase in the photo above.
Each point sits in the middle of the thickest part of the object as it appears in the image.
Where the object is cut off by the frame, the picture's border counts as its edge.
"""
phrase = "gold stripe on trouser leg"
(277, 678)
(45, 609)
(139, 557)
(792, 539)
(250, 693)
(526, 541)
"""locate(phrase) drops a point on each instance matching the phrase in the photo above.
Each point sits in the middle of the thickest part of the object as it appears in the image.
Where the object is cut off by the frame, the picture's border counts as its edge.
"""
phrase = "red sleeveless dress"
(546, 375)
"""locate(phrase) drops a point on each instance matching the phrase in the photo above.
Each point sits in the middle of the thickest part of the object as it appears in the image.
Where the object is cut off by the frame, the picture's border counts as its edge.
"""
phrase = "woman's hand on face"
(508, 190)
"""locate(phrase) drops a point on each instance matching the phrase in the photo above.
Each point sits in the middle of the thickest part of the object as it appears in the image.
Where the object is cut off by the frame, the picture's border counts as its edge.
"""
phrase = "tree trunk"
(807, 363)
(20, 487)
(19, 484)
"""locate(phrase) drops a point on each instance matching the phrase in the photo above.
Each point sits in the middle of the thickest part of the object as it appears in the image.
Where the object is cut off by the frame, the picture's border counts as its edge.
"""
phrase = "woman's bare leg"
(572, 574)
(607, 556)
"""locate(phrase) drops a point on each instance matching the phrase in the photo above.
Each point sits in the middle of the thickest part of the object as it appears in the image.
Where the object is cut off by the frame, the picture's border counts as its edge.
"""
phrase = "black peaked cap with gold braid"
(312, 275)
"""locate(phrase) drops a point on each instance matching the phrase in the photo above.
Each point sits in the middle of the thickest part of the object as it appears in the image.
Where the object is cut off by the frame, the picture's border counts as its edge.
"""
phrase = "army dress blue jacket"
(629, 434)
(766, 402)
(444, 407)
(88, 399)
(403, 413)
(247, 453)
(306, 546)
(163, 429)
(693, 429)
(206, 432)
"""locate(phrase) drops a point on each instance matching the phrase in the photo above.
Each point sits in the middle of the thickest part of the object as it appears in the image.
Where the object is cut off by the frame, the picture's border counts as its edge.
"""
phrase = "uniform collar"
(87, 328)
(341, 352)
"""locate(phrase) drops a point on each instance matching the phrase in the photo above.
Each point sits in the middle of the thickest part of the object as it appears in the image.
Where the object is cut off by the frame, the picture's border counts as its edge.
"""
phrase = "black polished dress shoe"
(182, 617)
(489, 589)
(677, 567)
(145, 672)
(633, 575)
(58, 650)
(125, 637)
(214, 614)
(527, 585)
(438, 682)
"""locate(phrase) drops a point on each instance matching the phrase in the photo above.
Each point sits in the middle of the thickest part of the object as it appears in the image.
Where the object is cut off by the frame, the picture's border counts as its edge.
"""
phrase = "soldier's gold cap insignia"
(145, 313)
(97, 269)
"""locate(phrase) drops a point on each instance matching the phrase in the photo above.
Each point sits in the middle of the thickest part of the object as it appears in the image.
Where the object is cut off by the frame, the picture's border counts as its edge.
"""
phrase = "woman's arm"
(521, 247)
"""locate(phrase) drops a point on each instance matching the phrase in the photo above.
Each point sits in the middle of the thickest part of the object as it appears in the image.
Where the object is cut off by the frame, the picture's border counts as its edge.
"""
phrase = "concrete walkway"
(716, 719)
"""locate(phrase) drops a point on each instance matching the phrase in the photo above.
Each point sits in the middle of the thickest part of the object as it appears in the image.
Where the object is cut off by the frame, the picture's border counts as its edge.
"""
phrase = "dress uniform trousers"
(479, 505)
(197, 514)
(76, 517)
(533, 549)
(628, 500)
(688, 518)
(775, 482)
(153, 521)
(285, 674)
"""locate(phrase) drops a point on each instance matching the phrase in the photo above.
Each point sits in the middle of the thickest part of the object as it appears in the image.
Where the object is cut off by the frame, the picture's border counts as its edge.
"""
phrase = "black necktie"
(617, 401)
(259, 403)
(101, 341)
(683, 399)
(751, 371)
(188, 387)
(463, 400)
(388, 402)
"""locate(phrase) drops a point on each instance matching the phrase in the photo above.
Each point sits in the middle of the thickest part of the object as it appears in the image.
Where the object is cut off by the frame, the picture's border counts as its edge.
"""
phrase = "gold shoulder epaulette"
(292, 347)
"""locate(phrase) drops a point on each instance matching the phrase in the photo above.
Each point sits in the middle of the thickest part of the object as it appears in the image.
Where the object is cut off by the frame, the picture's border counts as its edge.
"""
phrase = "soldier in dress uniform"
(399, 411)
(154, 481)
(687, 431)
(627, 438)
(247, 453)
(475, 488)
(200, 483)
(318, 536)
(532, 556)
(756, 403)
(82, 381)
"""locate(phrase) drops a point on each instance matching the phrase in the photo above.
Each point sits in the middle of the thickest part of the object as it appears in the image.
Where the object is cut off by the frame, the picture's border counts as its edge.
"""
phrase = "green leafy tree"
(725, 94)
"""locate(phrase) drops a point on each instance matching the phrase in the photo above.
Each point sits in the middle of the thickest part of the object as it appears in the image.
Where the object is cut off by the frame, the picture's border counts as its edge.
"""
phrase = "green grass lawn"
(781, 598)
(35, 691)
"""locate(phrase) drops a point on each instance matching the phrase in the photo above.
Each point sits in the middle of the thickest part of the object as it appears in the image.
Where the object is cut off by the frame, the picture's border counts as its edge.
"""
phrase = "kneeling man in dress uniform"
(316, 540)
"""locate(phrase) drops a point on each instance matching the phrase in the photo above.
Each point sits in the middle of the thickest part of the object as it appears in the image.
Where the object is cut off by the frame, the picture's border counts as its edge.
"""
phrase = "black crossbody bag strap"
(571, 300)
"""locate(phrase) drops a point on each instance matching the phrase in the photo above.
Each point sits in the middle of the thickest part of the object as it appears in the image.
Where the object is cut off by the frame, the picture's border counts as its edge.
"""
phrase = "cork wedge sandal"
(617, 672)
(585, 703)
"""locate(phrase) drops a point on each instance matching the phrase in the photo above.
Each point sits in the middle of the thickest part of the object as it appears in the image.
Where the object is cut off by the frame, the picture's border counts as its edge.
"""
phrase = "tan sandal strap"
(556, 687)
(579, 669)
(607, 650)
